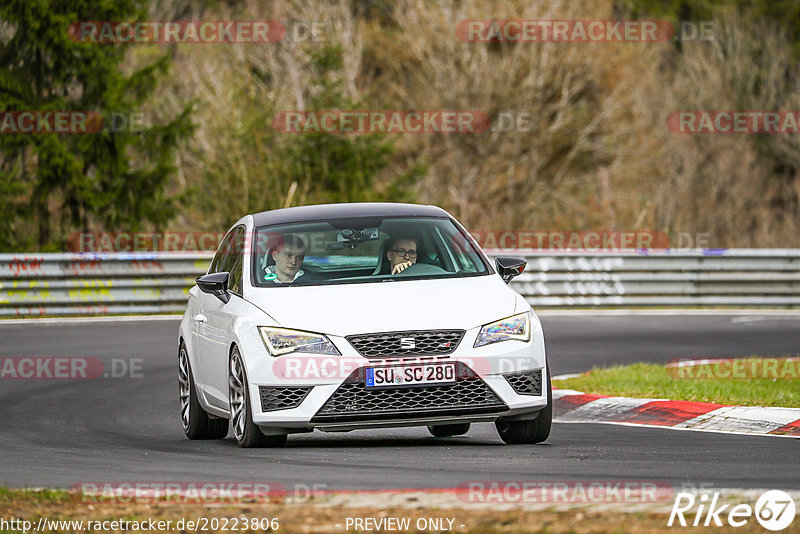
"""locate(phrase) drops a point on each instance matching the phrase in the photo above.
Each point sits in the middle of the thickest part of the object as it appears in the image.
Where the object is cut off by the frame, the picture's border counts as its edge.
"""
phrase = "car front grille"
(388, 344)
(352, 401)
(526, 382)
(281, 398)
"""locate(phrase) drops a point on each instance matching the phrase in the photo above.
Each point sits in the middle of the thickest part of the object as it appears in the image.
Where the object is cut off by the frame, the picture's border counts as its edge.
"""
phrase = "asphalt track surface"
(58, 433)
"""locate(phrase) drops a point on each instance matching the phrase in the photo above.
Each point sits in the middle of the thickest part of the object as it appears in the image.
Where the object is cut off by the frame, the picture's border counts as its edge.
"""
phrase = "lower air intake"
(526, 382)
(281, 398)
(352, 401)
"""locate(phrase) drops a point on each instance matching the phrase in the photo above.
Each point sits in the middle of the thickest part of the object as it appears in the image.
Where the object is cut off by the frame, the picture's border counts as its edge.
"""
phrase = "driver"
(401, 253)
(288, 255)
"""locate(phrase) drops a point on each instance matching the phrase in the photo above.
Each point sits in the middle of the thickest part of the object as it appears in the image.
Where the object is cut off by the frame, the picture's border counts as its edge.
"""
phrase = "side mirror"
(509, 267)
(215, 284)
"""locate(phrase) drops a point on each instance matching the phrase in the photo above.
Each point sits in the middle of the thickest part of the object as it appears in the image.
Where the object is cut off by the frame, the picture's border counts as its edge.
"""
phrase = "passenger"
(288, 255)
(401, 253)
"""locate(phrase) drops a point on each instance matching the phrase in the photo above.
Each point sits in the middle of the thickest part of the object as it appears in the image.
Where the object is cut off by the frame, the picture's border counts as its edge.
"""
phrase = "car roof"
(345, 210)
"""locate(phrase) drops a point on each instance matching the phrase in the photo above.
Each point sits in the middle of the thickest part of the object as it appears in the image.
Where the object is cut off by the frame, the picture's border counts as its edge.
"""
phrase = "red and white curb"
(576, 407)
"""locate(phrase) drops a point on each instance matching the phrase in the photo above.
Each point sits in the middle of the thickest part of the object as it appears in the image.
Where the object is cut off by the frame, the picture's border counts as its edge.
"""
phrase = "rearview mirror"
(509, 267)
(215, 284)
(356, 234)
(352, 238)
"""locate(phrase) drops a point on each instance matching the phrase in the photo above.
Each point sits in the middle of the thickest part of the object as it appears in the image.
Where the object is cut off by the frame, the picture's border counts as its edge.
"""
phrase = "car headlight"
(282, 341)
(515, 327)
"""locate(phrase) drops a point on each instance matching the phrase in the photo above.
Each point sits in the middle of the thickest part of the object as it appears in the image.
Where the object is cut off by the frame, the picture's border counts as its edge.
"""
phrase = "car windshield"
(375, 249)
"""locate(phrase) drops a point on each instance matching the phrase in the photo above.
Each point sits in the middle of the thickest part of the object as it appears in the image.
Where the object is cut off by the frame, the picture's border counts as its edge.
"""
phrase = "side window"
(236, 265)
(230, 253)
(222, 252)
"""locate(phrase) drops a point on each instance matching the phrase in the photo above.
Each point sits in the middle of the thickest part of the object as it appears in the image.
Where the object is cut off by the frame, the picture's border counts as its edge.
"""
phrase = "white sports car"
(353, 316)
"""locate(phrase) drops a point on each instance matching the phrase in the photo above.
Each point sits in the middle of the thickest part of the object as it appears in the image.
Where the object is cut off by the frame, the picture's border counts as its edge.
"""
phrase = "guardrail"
(696, 278)
(96, 284)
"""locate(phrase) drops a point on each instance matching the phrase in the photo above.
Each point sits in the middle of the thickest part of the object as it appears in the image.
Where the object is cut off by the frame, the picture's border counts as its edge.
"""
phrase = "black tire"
(529, 431)
(446, 431)
(197, 423)
(245, 431)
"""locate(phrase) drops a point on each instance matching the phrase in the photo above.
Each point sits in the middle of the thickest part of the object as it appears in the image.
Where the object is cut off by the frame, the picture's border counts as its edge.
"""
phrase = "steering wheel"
(421, 269)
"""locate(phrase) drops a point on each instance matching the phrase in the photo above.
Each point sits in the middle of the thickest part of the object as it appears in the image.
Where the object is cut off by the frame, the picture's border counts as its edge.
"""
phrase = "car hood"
(343, 310)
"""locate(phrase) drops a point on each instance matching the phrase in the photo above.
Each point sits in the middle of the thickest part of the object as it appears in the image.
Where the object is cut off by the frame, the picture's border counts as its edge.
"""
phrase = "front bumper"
(488, 386)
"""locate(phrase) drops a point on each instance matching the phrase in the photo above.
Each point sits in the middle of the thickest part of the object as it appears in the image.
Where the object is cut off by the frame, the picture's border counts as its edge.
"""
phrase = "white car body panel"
(342, 310)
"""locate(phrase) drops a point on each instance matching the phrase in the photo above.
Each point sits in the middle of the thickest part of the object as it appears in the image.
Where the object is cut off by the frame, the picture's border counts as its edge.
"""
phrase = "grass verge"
(702, 383)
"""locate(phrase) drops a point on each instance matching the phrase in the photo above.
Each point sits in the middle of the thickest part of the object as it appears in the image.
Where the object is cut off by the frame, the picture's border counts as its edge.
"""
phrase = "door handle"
(200, 318)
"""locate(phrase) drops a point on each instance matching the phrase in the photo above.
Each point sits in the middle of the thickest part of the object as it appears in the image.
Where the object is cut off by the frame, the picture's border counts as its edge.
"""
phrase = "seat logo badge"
(407, 343)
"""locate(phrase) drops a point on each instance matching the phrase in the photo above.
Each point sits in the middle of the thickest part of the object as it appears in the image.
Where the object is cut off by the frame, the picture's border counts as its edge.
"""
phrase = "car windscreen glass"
(342, 251)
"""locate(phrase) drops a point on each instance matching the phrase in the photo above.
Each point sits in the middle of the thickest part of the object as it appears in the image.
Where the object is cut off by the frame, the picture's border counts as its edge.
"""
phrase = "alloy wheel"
(183, 386)
(237, 396)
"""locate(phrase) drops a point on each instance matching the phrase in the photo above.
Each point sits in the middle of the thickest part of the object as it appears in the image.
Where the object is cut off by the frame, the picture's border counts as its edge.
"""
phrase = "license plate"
(411, 375)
